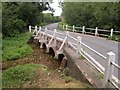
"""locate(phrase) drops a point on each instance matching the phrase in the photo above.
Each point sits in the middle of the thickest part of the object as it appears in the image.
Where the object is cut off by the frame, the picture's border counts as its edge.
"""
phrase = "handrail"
(60, 33)
(90, 28)
(94, 51)
(72, 45)
(116, 65)
(72, 37)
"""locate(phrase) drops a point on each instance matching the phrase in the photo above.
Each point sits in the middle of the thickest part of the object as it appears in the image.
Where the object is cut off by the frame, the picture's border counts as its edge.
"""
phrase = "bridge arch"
(44, 46)
(52, 52)
(61, 56)
(39, 43)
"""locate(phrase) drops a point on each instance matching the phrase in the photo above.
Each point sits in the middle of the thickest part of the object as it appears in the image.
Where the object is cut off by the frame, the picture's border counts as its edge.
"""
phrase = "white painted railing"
(106, 71)
(95, 30)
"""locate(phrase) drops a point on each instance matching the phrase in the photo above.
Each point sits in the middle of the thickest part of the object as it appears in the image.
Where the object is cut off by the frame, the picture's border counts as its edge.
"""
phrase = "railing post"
(65, 39)
(66, 27)
(35, 28)
(40, 28)
(79, 46)
(73, 28)
(30, 29)
(83, 29)
(111, 33)
(96, 31)
(109, 68)
(67, 33)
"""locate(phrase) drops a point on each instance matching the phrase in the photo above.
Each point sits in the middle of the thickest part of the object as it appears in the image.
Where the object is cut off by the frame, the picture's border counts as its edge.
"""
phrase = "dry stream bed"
(47, 76)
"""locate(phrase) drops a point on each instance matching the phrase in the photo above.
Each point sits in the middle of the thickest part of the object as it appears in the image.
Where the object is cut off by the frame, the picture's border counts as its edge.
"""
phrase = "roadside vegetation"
(115, 38)
(93, 14)
(16, 76)
(24, 63)
(17, 16)
(16, 47)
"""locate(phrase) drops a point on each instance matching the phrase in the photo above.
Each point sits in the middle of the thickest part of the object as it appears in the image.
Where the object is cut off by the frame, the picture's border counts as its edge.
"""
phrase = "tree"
(17, 16)
(92, 14)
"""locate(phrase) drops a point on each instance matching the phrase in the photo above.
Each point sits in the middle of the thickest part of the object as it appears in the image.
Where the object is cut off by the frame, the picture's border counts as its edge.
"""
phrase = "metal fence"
(79, 46)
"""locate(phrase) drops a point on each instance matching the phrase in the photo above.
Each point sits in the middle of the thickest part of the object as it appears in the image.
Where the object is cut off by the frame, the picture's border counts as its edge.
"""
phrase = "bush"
(12, 56)
(115, 37)
(13, 27)
(16, 76)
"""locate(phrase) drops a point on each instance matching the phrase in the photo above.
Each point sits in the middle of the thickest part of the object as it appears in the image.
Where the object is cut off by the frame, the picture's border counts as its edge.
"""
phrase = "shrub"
(115, 37)
(13, 27)
(12, 56)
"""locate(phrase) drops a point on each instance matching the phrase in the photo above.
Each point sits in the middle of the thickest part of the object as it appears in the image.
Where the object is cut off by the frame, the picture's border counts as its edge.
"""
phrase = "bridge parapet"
(52, 40)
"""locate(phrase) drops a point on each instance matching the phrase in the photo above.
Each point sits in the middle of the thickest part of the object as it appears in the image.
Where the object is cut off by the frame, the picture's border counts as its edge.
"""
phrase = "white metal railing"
(96, 30)
(106, 71)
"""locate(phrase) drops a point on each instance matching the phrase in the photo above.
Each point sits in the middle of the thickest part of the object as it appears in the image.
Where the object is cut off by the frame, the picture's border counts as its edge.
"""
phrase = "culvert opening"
(39, 43)
(44, 46)
(60, 57)
(51, 52)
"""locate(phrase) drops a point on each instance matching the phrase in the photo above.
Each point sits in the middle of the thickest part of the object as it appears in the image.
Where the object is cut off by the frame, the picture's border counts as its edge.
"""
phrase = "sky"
(55, 6)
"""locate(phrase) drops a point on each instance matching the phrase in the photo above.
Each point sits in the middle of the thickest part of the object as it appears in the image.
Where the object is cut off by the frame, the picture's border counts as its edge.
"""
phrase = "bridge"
(69, 47)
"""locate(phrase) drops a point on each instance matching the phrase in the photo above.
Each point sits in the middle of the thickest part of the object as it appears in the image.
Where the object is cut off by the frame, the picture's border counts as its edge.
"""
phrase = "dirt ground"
(44, 79)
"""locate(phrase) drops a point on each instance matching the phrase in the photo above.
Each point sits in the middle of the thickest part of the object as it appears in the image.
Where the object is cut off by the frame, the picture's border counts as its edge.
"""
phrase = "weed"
(16, 47)
(16, 76)
(82, 57)
(44, 68)
(115, 38)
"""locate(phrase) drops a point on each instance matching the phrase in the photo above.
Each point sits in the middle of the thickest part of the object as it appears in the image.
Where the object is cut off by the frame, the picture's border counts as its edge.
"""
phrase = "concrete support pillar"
(47, 50)
(41, 46)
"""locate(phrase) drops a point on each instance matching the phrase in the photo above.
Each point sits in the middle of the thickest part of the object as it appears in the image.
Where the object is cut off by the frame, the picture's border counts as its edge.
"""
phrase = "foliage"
(16, 47)
(49, 18)
(115, 37)
(17, 16)
(92, 14)
(16, 76)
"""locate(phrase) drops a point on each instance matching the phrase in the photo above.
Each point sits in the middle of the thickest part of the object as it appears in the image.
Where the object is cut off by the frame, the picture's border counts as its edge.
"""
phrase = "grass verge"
(16, 76)
(115, 38)
(16, 47)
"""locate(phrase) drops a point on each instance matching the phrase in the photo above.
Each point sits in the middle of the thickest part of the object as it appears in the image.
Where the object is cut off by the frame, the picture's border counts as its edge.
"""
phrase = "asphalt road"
(101, 45)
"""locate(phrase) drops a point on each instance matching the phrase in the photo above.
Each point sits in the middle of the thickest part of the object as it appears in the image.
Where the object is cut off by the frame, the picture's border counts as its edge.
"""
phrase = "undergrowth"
(16, 76)
(115, 38)
(16, 47)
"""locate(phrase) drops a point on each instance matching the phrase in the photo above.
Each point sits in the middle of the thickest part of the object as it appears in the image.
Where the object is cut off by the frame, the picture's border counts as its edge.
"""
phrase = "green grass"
(82, 57)
(16, 47)
(0, 46)
(16, 76)
(115, 38)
